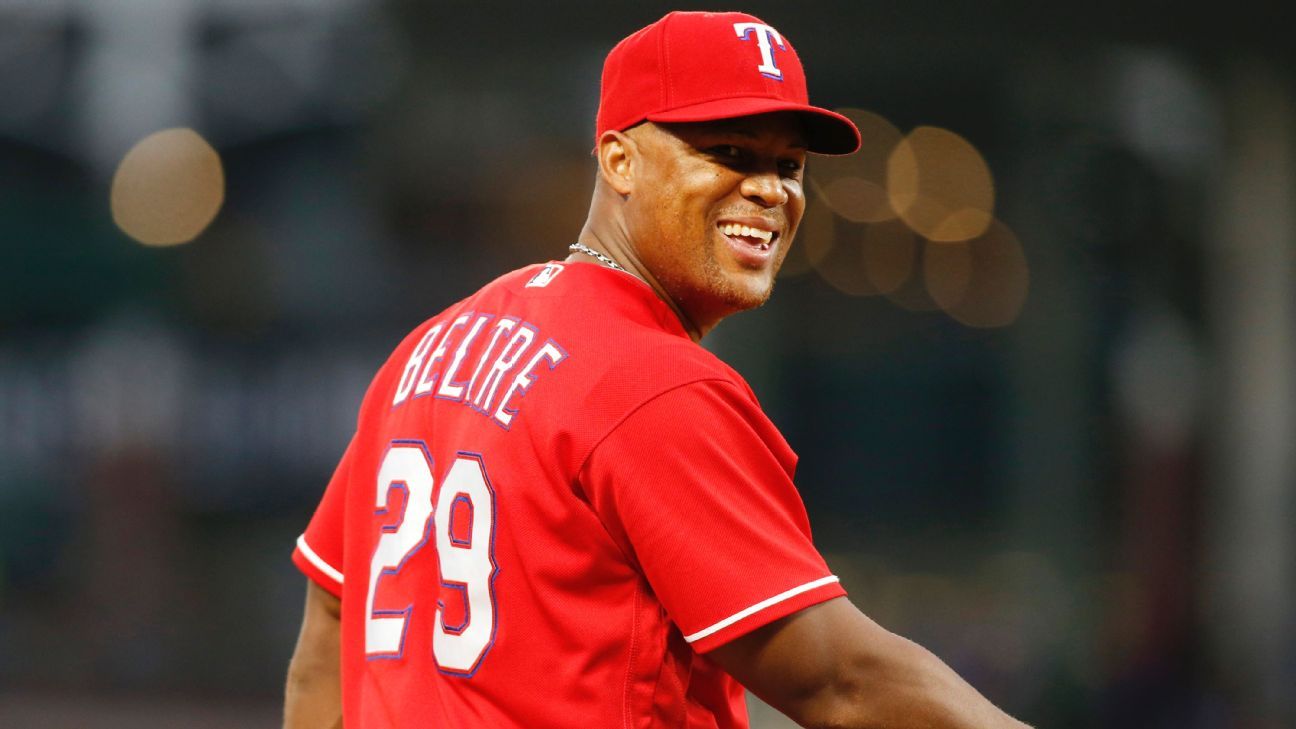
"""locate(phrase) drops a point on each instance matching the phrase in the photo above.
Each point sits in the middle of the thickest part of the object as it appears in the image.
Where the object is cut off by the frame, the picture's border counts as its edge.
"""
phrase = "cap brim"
(827, 132)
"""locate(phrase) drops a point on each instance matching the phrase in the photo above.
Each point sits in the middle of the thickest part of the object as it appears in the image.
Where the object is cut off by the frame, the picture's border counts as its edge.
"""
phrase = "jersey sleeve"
(319, 549)
(696, 485)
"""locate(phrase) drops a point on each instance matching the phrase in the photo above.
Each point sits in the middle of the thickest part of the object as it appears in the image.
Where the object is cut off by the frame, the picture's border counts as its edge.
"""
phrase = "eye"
(791, 167)
(727, 151)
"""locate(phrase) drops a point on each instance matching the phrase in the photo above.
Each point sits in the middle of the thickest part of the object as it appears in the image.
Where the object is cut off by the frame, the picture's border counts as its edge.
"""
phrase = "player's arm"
(313, 695)
(829, 665)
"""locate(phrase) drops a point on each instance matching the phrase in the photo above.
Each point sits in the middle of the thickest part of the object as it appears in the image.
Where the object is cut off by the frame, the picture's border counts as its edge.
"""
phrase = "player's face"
(714, 209)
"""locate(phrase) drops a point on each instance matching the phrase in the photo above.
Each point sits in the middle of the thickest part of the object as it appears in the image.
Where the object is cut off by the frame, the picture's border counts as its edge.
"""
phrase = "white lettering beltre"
(497, 385)
(764, 35)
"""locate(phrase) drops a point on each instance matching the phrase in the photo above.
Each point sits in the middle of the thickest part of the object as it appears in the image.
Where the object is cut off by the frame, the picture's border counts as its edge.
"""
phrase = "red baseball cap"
(691, 67)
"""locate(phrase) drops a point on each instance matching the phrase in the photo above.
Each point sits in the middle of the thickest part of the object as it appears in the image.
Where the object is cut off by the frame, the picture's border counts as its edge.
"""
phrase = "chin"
(747, 294)
(718, 293)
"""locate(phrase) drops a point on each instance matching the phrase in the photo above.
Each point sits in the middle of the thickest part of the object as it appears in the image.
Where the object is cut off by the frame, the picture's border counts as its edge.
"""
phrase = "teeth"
(748, 232)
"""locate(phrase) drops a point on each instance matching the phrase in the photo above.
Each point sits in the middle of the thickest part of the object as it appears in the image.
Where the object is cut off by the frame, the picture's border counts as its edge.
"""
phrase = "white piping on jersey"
(317, 560)
(761, 606)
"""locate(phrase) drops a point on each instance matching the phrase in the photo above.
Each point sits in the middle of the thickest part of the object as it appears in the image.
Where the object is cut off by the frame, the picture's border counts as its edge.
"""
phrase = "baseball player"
(558, 510)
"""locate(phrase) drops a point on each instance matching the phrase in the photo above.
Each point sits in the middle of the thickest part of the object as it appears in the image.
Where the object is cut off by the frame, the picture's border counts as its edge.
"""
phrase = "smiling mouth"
(755, 237)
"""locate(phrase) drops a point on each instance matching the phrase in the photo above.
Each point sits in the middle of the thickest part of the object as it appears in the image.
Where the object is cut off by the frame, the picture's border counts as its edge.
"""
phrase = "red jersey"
(554, 504)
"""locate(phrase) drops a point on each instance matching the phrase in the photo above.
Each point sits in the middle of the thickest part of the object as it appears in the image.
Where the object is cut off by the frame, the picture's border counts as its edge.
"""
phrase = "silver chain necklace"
(582, 248)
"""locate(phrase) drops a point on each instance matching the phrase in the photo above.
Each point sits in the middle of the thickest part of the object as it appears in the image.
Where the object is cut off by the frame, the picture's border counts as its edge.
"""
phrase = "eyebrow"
(747, 133)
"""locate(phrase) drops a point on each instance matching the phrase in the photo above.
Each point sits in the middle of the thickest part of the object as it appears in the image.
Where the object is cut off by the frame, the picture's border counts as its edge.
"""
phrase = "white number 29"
(465, 553)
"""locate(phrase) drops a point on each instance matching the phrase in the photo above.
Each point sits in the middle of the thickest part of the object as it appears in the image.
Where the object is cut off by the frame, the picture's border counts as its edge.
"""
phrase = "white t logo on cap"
(764, 34)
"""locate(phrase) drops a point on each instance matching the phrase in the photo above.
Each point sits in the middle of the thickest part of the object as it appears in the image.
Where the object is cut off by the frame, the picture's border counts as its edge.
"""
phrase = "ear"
(617, 154)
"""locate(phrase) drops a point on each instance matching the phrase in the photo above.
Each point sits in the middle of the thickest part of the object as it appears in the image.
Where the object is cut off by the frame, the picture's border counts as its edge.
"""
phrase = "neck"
(614, 247)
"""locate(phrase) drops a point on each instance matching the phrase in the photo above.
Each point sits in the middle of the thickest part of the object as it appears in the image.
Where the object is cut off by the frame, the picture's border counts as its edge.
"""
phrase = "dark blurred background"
(1035, 346)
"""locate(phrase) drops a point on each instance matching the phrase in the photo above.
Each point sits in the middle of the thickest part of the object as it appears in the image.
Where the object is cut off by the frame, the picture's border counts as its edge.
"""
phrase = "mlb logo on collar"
(547, 274)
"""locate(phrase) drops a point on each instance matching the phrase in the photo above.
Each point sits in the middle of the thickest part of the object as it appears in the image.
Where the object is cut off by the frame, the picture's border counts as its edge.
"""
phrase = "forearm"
(831, 666)
(904, 685)
(313, 691)
(312, 699)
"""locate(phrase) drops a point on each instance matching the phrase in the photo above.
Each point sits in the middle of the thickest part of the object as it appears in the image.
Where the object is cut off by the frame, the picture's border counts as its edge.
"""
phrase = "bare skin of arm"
(313, 695)
(831, 666)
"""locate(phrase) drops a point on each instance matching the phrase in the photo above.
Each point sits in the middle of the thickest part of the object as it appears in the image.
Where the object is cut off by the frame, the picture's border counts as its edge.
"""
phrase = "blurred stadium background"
(1035, 347)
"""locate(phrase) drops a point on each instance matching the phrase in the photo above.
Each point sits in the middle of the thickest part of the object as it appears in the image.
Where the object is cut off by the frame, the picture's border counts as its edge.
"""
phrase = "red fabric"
(696, 66)
(637, 496)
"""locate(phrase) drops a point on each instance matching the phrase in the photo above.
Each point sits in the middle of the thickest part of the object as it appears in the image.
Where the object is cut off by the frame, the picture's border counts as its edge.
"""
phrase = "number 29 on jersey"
(461, 525)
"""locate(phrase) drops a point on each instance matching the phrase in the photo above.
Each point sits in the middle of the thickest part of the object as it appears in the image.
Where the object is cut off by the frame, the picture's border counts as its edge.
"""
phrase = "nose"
(765, 188)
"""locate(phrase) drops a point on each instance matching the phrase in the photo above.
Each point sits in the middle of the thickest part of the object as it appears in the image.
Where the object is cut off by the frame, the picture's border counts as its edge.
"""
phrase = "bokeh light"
(854, 186)
(981, 283)
(815, 236)
(866, 260)
(940, 185)
(912, 295)
(947, 271)
(889, 255)
(168, 188)
(870, 212)
(843, 265)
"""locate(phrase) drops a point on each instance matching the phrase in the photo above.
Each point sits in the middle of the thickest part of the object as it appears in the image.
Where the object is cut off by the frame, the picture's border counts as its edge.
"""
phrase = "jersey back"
(553, 505)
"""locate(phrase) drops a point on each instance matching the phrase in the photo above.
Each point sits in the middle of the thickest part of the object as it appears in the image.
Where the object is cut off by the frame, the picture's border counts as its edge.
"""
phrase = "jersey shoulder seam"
(630, 413)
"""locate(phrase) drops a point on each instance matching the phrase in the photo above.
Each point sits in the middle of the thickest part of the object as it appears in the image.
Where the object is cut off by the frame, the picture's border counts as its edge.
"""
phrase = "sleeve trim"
(763, 604)
(317, 561)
